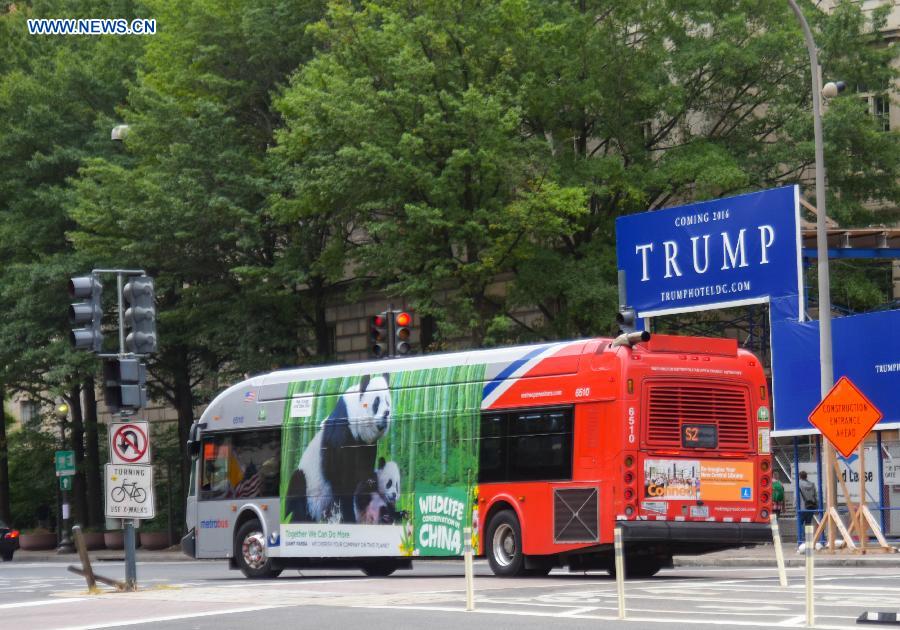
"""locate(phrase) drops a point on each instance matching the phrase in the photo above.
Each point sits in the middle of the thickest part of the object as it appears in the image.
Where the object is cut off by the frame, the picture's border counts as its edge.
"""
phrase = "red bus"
(543, 450)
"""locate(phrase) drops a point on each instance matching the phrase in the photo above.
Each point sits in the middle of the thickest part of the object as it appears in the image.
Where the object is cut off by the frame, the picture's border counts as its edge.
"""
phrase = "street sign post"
(129, 442)
(845, 416)
(65, 463)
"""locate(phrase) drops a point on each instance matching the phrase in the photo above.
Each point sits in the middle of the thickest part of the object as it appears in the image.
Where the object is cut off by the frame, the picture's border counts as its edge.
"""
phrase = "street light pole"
(65, 542)
(825, 357)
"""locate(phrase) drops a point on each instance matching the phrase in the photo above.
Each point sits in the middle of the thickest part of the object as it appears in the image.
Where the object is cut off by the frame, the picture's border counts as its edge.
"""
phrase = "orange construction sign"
(845, 416)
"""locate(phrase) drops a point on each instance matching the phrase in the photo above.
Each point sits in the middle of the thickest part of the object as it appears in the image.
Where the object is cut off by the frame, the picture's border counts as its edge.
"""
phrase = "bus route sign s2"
(845, 416)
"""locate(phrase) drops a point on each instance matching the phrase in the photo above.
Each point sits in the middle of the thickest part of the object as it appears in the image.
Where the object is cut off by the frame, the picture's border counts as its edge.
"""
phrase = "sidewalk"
(764, 556)
(759, 556)
(172, 554)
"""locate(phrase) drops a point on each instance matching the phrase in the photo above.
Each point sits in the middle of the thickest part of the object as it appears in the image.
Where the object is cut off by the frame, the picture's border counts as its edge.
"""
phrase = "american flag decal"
(250, 484)
(250, 396)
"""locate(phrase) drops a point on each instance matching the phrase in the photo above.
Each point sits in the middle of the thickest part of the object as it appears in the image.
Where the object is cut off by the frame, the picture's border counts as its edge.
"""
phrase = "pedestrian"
(777, 496)
(808, 498)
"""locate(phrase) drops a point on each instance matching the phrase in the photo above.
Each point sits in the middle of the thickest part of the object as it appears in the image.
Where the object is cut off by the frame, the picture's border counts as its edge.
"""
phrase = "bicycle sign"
(129, 491)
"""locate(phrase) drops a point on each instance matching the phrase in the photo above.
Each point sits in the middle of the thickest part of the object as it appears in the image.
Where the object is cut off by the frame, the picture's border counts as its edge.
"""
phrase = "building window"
(881, 109)
(878, 105)
(29, 411)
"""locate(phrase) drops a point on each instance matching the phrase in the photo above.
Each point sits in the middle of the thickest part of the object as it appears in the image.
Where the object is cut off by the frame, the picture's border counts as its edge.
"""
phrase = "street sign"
(129, 491)
(845, 416)
(129, 443)
(65, 483)
(65, 463)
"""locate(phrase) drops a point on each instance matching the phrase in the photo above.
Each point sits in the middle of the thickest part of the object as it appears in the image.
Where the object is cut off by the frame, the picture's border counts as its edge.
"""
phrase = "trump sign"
(714, 254)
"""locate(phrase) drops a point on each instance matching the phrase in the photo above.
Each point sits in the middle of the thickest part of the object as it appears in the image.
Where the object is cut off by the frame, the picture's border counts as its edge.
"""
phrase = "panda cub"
(340, 455)
(375, 501)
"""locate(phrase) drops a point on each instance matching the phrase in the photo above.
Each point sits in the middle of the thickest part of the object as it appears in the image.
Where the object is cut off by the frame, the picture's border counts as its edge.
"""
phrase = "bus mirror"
(193, 441)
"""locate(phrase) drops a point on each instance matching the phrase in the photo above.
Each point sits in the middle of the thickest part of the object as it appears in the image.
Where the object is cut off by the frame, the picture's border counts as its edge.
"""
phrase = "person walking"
(808, 498)
(777, 496)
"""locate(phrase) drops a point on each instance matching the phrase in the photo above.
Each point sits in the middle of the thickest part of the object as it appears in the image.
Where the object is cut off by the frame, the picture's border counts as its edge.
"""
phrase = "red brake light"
(629, 477)
(403, 319)
(13, 534)
(629, 494)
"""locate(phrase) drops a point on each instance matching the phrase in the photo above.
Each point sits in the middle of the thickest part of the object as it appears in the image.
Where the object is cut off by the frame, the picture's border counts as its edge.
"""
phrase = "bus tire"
(381, 568)
(250, 552)
(504, 545)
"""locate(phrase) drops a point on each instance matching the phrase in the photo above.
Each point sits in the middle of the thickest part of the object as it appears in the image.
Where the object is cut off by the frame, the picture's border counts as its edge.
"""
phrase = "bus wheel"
(250, 552)
(504, 540)
(379, 569)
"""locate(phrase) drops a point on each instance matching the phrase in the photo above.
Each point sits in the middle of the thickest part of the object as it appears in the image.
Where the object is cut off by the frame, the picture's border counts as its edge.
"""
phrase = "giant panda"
(340, 455)
(375, 499)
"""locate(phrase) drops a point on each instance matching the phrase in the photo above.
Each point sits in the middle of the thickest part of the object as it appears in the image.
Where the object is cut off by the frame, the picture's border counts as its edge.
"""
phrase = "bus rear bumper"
(701, 533)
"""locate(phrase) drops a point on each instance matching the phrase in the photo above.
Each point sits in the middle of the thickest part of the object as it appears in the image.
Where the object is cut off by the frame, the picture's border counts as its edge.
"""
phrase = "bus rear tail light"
(764, 497)
(629, 510)
(764, 513)
(764, 465)
(629, 494)
(629, 461)
(764, 481)
(629, 477)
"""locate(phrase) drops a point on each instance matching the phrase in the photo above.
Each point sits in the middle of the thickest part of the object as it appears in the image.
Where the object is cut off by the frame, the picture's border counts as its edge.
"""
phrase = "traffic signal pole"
(141, 318)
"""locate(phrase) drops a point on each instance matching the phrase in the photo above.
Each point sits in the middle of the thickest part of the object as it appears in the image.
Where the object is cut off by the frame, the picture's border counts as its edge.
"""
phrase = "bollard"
(779, 553)
(810, 548)
(620, 571)
(470, 578)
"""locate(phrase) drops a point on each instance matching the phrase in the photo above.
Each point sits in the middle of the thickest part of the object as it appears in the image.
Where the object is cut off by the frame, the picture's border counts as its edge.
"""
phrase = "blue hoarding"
(714, 254)
(866, 349)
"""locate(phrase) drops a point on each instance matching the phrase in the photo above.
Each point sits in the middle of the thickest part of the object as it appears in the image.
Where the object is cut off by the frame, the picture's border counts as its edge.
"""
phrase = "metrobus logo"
(214, 524)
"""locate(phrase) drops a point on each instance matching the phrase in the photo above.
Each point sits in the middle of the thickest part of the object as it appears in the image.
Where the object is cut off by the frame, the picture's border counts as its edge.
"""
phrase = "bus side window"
(257, 465)
(492, 448)
(540, 445)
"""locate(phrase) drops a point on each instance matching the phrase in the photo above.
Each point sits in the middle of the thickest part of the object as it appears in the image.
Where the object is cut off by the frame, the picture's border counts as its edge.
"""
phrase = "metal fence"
(882, 476)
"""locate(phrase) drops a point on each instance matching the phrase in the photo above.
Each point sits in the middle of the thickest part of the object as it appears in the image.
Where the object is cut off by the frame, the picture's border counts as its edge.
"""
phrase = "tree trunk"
(184, 405)
(5, 512)
(93, 484)
(79, 494)
(324, 346)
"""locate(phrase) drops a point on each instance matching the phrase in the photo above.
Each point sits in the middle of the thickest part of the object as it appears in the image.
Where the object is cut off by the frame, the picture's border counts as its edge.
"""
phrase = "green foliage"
(32, 478)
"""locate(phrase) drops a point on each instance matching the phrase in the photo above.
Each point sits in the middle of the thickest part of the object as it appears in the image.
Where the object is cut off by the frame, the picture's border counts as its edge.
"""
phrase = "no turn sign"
(129, 443)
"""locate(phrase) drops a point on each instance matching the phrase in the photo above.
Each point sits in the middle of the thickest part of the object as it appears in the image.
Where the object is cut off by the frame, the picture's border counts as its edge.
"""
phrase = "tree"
(186, 201)
(53, 92)
(467, 140)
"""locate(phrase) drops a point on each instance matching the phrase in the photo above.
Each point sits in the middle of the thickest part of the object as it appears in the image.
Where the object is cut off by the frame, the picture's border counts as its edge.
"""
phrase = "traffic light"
(87, 313)
(140, 316)
(378, 335)
(626, 319)
(124, 384)
(402, 321)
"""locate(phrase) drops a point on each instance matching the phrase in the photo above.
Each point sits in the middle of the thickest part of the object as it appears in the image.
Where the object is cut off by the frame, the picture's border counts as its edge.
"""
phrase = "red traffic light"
(378, 321)
(403, 319)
